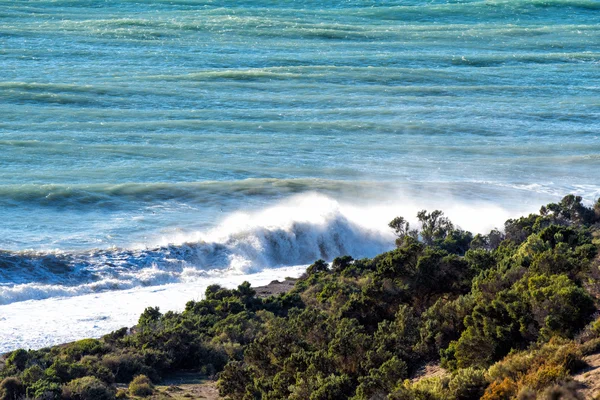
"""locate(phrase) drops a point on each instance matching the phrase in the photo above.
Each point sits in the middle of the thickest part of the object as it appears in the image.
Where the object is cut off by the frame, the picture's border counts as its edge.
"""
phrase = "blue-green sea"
(142, 142)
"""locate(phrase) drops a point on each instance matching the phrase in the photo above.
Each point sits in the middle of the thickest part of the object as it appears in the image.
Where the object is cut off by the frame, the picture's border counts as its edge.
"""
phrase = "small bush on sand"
(141, 386)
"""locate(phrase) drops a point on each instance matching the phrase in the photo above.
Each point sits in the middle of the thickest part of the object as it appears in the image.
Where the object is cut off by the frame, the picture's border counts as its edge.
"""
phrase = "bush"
(467, 384)
(566, 391)
(18, 359)
(316, 267)
(84, 347)
(11, 389)
(591, 347)
(45, 390)
(432, 388)
(87, 388)
(32, 375)
(333, 387)
(501, 390)
(141, 386)
(537, 368)
(125, 365)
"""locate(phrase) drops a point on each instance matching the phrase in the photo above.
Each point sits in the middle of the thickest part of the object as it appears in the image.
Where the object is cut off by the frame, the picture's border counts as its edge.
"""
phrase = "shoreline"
(273, 288)
(96, 314)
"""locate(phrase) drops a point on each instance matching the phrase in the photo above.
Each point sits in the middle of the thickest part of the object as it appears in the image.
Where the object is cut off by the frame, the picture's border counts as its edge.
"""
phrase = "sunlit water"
(145, 143)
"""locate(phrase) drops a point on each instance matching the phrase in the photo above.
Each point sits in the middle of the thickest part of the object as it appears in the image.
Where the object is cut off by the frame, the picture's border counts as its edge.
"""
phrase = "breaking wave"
(292, 233)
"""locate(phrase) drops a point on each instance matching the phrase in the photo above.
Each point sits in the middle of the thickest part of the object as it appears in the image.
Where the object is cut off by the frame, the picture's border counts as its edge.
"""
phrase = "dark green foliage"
(87, 388)
(75, 351)
(435, 227)
(570, 210)
(468, 384)
(235, 380)
(340, 264)
(382, 380)
(44, 390)
(32, 375)
(402, 230)
(442, 323)
(499, 311)
(490, 241)
(318, 266)
(149, 317)
(518, 230)
(11, 389)
(141, 386)
(17, 359)
(535, 307)
(457, 242)
(125, 365)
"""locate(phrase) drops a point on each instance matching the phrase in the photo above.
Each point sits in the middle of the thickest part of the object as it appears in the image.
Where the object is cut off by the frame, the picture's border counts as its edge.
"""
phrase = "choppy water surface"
(144, 142)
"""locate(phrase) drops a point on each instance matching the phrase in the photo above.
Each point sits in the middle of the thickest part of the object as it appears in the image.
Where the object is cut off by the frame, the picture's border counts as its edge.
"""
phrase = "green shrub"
(141, 386)
(150, 316)
(65, 371)
(94, 367)
(382, 380)
(435, 388)
(234, 380)
(18, 359)
(11, 389)
(84, 347)
(87, 388)
(44, 389)
(125, 365)
(32, 375)
(468, 384)
(317, 266)
(332, 388)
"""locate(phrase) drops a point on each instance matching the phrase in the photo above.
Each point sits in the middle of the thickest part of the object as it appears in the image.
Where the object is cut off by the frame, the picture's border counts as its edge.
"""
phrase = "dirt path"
(206, 391)
(590, 377)
(186, 385)
(431, 370)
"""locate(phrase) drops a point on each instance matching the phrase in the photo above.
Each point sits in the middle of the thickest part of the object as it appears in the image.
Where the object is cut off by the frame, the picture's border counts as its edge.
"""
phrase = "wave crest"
(295, 232)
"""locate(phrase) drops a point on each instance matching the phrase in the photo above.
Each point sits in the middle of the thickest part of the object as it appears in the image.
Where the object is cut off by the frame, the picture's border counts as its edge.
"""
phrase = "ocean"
(149, 148)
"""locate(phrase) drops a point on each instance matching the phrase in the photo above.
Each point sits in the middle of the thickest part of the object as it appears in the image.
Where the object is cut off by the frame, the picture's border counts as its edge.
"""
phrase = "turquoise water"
(135, 124)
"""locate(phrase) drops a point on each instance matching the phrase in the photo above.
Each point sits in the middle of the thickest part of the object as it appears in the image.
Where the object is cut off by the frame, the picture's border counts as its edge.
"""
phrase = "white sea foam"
(35, 324)
(296, 231)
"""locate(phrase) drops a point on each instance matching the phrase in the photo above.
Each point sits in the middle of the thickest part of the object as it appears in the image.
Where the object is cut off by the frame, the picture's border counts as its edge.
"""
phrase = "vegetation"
(141, 386)
(509, 314)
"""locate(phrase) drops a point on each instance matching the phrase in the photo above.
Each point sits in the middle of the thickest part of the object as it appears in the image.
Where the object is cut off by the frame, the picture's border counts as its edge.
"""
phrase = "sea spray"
(295, 232)
(40, 323)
